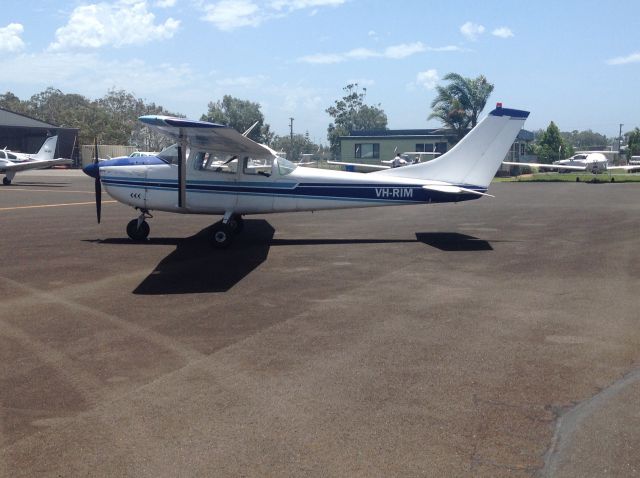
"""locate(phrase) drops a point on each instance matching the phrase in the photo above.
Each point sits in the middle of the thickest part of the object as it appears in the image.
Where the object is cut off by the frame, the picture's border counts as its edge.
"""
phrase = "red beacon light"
(498, 105)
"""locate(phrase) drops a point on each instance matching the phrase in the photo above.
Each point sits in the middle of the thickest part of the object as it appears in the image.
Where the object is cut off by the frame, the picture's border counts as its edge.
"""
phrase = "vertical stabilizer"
(47, 150)
(476, 158)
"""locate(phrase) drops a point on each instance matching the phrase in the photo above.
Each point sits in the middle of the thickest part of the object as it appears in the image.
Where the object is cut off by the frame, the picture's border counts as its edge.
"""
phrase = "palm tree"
(459, 104)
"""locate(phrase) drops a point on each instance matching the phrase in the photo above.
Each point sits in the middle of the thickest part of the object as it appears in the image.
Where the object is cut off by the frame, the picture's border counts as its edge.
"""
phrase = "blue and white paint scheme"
(213, 169)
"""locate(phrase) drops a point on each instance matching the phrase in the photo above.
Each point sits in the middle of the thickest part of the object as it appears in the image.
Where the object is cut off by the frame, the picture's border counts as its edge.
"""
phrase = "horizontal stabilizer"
(451, 189)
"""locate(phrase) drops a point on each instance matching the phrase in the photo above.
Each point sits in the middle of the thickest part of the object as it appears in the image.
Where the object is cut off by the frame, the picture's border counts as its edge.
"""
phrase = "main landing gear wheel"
(136, 233)
(6, 181)
(222, 235)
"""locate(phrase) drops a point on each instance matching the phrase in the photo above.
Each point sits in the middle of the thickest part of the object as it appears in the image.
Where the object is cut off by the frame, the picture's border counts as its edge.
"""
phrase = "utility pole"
(620, 137)
(290, 153)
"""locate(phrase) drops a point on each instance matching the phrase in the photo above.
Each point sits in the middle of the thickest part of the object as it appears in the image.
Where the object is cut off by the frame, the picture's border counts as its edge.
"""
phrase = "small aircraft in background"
(11, 162)
(241, 177)
(591, 162)
(409, 157)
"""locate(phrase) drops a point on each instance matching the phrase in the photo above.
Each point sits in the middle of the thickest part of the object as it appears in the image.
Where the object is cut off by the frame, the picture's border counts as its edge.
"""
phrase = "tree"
(300, 145)
(11, 102)
(459, 104)
(585, 139)
(240, 115)
(550, 145)
(633, 143)
(352, 114)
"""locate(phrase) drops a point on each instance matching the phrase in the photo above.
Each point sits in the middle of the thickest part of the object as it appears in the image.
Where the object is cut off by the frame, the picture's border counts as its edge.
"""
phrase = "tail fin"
(47, 150)
(476, 158)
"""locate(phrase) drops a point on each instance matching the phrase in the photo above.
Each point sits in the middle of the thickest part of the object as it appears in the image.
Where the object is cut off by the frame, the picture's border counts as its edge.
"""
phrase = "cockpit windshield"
(285, 167)
(170, 154)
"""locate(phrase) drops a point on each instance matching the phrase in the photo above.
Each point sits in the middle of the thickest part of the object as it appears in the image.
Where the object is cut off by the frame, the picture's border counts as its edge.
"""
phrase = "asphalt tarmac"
(497, 337)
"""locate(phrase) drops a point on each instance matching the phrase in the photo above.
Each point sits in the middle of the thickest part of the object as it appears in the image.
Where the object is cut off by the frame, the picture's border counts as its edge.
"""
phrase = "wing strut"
(182, 170)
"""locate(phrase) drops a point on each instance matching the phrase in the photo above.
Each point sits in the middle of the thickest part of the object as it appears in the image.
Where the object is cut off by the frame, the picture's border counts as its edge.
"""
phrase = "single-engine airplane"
(388, 163)
(12, 162)
(245, 177)
(589, 162)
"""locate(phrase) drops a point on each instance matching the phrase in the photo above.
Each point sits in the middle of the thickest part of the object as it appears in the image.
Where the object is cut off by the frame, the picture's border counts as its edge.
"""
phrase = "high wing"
(201, 134)
(25, 165)
(546, 166)
(628, 167)
(376, 167)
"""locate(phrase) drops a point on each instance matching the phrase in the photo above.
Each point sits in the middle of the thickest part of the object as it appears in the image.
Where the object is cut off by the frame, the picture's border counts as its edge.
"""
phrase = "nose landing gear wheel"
(6, 181)
(221, 235)
(237, 223)
(136, 233)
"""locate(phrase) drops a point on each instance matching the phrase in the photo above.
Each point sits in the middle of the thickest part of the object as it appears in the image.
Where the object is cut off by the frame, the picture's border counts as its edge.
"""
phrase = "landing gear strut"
(223, 232)
(138, 229)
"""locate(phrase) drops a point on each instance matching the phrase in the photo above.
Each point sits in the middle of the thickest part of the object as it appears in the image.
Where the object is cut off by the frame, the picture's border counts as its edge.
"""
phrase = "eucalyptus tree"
(350, 113)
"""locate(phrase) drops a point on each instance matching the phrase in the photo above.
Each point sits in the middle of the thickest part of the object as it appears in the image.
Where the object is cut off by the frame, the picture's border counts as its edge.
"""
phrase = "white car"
(137, 154)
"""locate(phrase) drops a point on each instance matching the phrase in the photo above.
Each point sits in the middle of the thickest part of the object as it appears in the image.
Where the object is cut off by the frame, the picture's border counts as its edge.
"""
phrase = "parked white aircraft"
(239, 182)
(11, 162)
(410, 157)
(590, 162)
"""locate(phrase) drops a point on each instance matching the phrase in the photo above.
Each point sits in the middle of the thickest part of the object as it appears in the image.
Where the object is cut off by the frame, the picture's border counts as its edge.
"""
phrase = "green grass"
(572, 178)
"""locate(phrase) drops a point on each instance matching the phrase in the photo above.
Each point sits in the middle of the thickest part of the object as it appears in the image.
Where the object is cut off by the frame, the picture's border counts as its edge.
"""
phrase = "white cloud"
(126, 22)
(404, 50)
(165, 3)
(242, 81)
(10, 40)
(624, 60)
(361, 54)
(228, 15)
(445, 48)
(472, 31)
(90, 75)
(427, 79)
(301, 4)
(502, 32)
(322, 58)
(394, 52)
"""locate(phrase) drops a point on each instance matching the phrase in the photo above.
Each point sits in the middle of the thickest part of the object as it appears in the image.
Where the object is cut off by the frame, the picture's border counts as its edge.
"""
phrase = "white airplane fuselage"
(154, 186)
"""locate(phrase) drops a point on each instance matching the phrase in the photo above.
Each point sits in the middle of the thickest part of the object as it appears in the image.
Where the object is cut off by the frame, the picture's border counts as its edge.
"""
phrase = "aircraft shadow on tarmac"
(194, 267)
(453, 241)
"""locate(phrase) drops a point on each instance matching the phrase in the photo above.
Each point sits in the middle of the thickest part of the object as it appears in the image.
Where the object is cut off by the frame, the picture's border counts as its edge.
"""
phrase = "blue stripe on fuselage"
(399, 193)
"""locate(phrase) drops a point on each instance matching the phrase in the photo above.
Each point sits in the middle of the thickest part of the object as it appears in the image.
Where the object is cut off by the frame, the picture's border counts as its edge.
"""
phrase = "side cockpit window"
(215, 162)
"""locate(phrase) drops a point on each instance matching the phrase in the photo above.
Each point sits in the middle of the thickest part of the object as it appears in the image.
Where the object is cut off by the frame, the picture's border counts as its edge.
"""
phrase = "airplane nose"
(91, 170)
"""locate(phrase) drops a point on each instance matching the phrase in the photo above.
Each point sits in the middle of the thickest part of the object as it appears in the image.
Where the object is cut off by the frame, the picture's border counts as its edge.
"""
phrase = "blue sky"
(576, 63)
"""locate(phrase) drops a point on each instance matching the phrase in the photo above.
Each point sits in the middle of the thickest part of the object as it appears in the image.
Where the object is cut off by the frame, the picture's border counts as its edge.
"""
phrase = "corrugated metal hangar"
(24, 134)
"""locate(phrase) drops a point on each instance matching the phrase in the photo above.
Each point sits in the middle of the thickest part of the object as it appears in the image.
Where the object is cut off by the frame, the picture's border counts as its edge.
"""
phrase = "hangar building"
(25, 134)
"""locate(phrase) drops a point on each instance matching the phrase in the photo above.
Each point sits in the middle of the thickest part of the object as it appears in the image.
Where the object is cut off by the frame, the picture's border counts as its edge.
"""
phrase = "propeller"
(98, 186)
